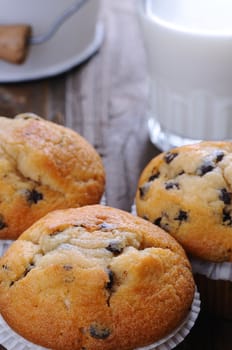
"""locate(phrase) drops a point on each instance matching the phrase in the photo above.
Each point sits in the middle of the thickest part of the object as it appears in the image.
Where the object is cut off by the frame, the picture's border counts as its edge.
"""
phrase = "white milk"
(189, 49)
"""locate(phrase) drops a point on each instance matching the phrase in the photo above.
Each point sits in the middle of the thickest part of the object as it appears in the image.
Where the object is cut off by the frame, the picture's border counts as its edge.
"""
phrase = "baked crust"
(94, 278)
(14, 42)
(188, 192)
(43, 166)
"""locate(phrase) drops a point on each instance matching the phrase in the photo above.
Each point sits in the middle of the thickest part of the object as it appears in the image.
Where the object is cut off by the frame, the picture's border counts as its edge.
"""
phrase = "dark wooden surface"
(104, 100)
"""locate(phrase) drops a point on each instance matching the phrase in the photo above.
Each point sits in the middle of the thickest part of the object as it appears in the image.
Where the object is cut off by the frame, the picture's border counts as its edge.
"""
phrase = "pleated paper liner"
(214, 281)
(13, 341)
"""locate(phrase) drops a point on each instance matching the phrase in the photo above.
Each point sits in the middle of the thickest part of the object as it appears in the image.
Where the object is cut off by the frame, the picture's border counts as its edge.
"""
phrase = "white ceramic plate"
(48, 64)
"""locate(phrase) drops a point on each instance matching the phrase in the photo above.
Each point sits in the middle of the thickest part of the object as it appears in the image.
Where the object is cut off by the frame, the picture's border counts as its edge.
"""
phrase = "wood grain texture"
(105, 100)
(112, 102)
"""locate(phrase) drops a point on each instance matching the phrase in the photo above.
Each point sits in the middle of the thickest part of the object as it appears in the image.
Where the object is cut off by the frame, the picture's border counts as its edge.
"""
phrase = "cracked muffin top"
(43, 166)
(94, 278)
(188, 192)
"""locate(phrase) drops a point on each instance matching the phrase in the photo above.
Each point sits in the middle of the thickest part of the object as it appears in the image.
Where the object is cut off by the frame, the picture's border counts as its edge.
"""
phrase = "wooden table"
(104, 100)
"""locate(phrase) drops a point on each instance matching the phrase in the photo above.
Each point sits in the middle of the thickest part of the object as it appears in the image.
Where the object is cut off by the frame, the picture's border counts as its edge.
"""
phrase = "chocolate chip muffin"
(94, 278)
(188, 192)
(43, 166)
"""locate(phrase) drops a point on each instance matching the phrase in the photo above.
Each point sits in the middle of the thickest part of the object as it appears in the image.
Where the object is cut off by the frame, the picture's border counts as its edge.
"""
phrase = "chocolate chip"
(162, 222)
(158, 221)
(69, 279)
(226, 217)
(34, 196)
(5, 267)
(172, 185)
(99, 332)
(2, 222)
(144, 189)
(169, 156)
(114, 247)
(67, 267)
(145, 218)
(219, 155)
(225, 196)
(31, 116)
(153, 177)
(110, 282)
(141, 192)
(54, 233)
(28, 269)
(81, 225)
(205, 168)
(182, 216)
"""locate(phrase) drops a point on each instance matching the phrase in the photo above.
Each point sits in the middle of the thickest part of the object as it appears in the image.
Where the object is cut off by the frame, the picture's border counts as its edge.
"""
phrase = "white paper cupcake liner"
(215, 271)
(13, 341)
(214, 283)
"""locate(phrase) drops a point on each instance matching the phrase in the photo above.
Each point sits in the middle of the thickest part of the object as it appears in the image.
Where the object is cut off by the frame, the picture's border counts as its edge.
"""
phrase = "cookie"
(43, 166)
(14, 42)
(94, 278)
(188, 192)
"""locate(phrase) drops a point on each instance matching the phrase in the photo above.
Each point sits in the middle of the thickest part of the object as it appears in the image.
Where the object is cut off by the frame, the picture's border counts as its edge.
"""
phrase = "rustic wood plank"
(43, 97)
(24, 97)
(55, 99)
(105, 102)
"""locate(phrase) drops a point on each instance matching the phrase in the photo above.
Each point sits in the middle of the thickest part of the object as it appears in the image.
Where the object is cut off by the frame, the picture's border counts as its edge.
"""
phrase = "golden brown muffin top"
(43, 166)
(188, 192)
(110, 272)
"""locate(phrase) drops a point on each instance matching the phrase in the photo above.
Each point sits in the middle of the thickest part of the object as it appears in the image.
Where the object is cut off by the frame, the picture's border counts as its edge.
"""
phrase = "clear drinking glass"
(189, 54)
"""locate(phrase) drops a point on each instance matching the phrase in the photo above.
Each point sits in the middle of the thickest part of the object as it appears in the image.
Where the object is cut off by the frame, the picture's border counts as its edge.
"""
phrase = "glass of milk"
(189, 53)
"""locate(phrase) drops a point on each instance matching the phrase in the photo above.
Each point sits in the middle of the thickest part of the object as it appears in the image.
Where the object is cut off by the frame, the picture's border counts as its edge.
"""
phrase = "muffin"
(94, 278)
(43, 167)
(188, 192)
